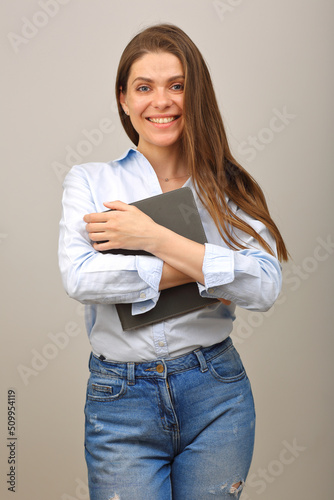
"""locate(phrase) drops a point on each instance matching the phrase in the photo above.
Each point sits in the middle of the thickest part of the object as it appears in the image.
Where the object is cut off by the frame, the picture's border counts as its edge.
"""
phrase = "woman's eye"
(143, 88)
(146, 88)
(177, 86)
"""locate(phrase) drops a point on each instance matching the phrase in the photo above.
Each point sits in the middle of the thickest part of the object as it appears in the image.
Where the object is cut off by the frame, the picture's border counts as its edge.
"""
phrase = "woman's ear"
(122, 100)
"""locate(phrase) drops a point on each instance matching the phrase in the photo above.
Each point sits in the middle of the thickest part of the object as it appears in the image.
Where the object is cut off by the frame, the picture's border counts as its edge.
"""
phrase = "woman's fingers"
(95, 217)
(118, 205)
(95, 227)
(101, 236)
(105, 216)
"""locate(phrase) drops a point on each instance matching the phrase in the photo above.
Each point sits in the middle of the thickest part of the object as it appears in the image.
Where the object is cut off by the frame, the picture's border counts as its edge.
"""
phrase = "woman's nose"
(161, 99)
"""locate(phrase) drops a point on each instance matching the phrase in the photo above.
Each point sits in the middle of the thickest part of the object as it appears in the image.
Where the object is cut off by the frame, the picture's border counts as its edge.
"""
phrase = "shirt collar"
(127, 153)
(133, 150)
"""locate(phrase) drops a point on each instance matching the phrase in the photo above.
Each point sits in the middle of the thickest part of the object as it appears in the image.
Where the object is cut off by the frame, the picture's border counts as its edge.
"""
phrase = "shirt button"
(143, 308)
(160, 368)
(143, 295)
(211, 290)
(161, 343)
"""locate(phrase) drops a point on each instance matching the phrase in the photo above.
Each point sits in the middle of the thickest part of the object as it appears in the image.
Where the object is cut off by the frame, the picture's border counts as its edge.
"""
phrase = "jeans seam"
(225, 380)
(220, 352)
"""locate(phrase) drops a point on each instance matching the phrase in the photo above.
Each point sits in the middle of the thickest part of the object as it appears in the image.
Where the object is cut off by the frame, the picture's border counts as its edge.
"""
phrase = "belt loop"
(131, 373)
(201, 360)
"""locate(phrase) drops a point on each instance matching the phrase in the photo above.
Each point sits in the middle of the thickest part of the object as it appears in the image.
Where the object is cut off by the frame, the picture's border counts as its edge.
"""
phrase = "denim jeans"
(177, 429)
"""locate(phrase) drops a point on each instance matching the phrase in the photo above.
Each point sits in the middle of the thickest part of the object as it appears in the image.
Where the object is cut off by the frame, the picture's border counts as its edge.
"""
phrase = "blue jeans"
(178, 429)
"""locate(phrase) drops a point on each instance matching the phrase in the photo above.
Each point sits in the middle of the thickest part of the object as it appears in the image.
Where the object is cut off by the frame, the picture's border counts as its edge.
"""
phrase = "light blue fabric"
(180, 429)
(250, 278)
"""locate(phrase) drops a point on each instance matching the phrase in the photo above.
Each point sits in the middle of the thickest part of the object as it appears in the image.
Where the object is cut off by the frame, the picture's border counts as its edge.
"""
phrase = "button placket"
(159, 338)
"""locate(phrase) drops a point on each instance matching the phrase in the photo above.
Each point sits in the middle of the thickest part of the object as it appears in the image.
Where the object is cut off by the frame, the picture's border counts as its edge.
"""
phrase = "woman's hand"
(125, 226)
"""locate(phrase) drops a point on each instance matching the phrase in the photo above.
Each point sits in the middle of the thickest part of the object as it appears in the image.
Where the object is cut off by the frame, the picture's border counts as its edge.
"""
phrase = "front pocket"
(99, 389)
(106, 390)
(227, 366)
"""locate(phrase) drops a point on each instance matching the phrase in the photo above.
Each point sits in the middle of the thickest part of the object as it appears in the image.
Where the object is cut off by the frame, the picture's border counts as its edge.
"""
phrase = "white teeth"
(162, 120)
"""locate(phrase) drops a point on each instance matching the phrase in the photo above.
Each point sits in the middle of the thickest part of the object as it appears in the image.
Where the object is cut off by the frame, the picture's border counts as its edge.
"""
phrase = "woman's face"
(154, 99)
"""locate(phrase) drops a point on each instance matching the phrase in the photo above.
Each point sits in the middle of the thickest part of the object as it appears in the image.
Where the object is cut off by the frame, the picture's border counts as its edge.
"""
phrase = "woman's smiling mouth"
(167, 119)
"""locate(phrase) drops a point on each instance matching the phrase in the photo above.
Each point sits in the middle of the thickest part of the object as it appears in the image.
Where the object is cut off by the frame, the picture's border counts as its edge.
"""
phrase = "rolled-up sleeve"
(90, 276)
(251, 278)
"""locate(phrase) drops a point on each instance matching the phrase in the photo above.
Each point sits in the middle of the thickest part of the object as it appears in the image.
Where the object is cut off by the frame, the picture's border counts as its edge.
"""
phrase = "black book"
(177, 211)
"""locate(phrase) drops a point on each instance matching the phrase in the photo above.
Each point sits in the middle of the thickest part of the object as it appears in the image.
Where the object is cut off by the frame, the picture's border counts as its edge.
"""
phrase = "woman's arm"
(251, 278)
(125, 226)
(88, 275)
(172, 277)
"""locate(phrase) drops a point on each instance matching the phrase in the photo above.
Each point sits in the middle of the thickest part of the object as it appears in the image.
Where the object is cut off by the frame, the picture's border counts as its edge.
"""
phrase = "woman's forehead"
(156, 65)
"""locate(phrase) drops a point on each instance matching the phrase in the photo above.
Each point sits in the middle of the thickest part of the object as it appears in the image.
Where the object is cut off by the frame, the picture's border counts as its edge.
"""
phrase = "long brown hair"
(216, 174)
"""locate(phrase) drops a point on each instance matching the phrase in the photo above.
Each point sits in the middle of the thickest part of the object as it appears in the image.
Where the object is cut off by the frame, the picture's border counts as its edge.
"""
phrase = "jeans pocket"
(227, 366)
(105, 389)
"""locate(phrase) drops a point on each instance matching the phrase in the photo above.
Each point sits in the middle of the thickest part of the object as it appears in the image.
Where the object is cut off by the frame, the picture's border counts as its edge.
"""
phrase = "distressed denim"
(177, 429)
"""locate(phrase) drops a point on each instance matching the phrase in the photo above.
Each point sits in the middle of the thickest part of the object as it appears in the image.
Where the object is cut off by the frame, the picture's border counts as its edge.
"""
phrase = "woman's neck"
(166, 161)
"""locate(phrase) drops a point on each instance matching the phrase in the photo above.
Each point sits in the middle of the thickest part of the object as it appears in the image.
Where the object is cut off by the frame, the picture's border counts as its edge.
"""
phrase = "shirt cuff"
(144, 306)
(150, 270)
(218, 269)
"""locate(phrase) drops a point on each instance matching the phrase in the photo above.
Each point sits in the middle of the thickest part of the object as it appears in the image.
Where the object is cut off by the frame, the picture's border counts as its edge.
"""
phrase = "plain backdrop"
(271, 63)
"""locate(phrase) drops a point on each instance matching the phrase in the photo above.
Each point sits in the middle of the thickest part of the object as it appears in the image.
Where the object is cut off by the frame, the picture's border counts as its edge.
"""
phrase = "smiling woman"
(169, 410)
(154, 103)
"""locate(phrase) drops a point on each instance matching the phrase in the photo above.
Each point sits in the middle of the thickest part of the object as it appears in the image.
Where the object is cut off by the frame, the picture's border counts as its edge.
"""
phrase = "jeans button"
(160, 368)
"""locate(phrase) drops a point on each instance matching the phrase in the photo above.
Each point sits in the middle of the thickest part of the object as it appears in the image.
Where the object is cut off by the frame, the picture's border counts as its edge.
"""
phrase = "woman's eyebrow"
(149, 80)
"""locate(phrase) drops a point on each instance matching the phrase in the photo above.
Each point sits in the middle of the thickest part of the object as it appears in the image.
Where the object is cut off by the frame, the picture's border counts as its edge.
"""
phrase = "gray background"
(266, 58)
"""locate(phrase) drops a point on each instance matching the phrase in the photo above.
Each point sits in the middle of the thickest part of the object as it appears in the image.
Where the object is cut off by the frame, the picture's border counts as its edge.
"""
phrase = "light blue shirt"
(250, 278)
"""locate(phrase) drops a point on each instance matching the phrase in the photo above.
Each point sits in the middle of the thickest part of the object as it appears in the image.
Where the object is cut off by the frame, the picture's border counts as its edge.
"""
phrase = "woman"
(169, 410)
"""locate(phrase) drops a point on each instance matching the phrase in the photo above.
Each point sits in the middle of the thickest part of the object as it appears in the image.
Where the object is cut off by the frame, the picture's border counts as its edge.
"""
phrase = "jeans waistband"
(158, 368)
